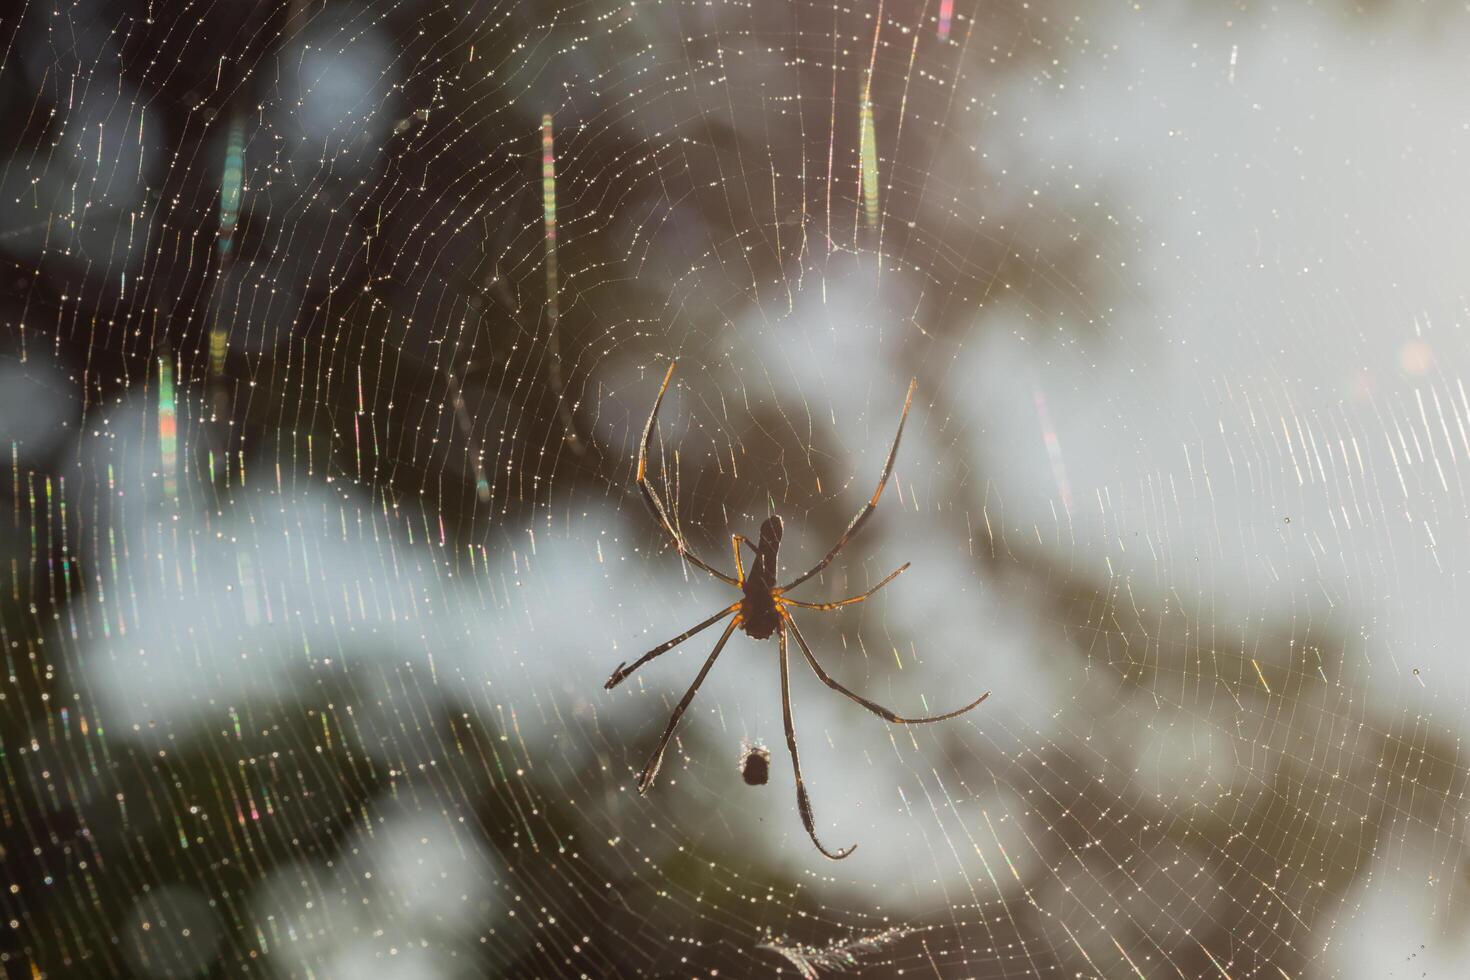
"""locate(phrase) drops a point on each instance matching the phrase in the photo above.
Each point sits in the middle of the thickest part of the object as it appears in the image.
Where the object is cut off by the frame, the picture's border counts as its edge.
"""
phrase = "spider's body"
(763, 609)
(759, 615)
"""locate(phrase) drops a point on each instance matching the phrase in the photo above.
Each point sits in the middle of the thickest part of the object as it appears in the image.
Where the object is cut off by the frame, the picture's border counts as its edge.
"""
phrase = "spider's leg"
(650, 771)
(871, 505)
(621, 673)
(872, 706)
(651, 498)
(803, 802)
(848, 602)
(736, 540)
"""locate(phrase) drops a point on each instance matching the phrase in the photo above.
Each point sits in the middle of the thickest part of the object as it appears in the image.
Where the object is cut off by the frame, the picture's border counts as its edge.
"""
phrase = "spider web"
(329, 332)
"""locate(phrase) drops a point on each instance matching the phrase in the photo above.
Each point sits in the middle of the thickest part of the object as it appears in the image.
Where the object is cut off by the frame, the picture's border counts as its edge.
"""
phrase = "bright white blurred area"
(1278, 418)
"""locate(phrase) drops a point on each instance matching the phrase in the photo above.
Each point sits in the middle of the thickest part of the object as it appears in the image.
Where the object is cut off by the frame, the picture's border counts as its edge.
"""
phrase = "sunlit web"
(329, 329)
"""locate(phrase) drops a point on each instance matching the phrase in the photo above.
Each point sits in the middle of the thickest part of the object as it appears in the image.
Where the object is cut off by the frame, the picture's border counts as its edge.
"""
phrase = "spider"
(763, 609)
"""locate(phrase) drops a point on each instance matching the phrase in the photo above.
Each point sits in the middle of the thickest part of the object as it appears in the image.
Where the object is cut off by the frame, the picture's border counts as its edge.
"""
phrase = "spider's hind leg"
(870, 506)
(736, 540)
(854, 600)
(651, 497)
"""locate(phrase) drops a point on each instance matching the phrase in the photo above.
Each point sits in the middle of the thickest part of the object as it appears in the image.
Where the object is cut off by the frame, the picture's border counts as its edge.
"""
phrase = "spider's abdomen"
(758, 615)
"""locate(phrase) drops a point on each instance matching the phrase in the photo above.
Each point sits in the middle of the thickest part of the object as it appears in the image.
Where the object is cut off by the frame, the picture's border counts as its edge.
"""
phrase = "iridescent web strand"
(868, 156)
(553, 313)
(167, 429)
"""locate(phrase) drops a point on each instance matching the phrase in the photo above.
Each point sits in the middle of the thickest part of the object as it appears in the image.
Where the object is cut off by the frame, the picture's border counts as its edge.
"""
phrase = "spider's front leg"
(803, 802)
(650, 771)
(621, 673)
(872, 706)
